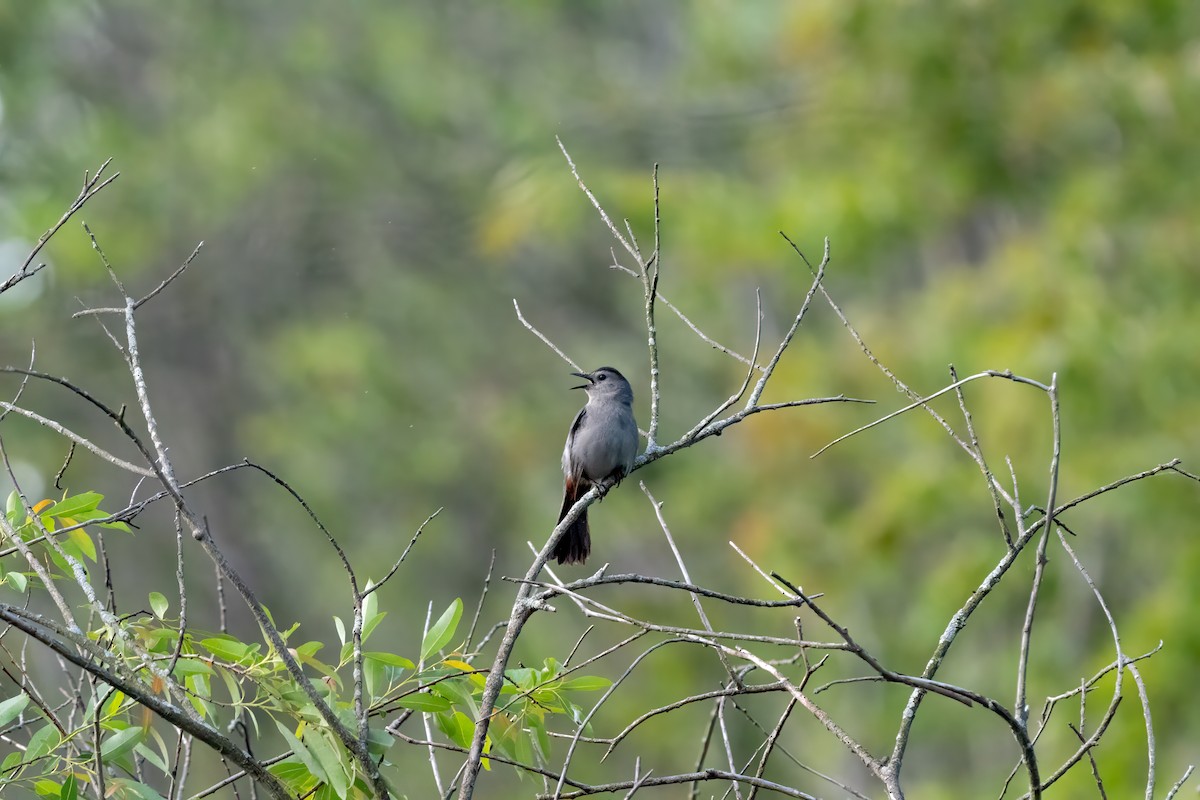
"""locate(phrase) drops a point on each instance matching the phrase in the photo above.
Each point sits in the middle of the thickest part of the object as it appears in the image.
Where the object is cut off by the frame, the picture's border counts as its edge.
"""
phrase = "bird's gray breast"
(603, 437)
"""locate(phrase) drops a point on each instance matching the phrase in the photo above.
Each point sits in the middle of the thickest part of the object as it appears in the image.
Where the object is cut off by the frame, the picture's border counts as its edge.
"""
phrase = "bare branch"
(543, 337)
(92, 185)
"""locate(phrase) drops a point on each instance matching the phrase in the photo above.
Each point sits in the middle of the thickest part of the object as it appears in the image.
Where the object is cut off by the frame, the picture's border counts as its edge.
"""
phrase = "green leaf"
(458, 726)
(309, 649)
(132, 790)
(112, 704)
(457, 691)
(333, 757)
(341, 630)
(70, 790)
(18, 580)
(227, 647)
(154, 758)
(523, 746)
(121, 743)
(370, 605)
(87, 501)
(191, 666)
(302, 752)
(442, 631)
(199, 694)
(295, 774)
(158, 604)
(379, 740)
(47, 788)
(198, 683)
(523, 677)
(423, 701)
(13, 508)
(372, 623)
(11, 707)
(390, 659)
(586, 683)
(41, 743)
(373, 677)
(542, 740)
(232, 686)
(79, 537)
(160, 640)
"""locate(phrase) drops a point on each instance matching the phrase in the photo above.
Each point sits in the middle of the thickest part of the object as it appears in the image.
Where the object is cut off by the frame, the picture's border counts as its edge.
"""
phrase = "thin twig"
(1187, 773)
(991, 373)
(91, 187)
(487, 580)
(544, 338)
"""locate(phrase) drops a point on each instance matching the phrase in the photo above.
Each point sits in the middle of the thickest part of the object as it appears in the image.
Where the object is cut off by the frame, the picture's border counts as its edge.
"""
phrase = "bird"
(601, 447)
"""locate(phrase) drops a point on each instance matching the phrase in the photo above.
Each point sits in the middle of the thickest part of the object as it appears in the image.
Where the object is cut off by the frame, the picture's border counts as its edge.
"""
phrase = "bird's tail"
(576, 541)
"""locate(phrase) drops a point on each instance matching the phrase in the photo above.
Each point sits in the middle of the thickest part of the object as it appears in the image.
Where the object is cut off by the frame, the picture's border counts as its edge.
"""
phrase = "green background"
(1005, 185)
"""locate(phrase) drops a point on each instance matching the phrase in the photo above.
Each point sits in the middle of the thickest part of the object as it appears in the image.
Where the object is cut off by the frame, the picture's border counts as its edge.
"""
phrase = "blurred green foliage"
(1005, 185)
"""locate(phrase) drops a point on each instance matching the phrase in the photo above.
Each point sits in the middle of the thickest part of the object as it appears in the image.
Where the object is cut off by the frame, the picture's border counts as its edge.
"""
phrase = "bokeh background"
(1005, 185)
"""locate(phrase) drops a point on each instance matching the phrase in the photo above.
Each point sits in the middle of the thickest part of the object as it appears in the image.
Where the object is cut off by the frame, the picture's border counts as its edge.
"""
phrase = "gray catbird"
(601, 446)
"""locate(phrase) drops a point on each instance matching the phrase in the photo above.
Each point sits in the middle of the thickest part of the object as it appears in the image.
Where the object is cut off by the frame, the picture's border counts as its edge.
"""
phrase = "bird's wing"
(566, 456)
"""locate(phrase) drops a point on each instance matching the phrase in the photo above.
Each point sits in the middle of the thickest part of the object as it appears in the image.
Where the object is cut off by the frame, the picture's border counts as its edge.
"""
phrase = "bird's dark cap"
(590, 377)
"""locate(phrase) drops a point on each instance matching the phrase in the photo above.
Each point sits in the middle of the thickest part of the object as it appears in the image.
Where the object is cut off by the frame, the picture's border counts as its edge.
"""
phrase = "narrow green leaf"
(523, 677)
(370, 606)
(198, 683)
(442, 631)
(191, 666)
(232, 686)
(154, 758)
(542, 740)
(456, 690)
(13, 508)
(333, 757)
(374, 677)
(309, 649)
(423, 701)
(586, 683)
(87, 501)
(41, 743)
(121, 743)
(47, 788)
(112, 704)
(226, 647)
(458, 726)
(390, 659)
(302, 752)
(160, 640)
(158, 604)
(11, 707)
(70, 790)
(155, 739)
(292, 772)
(79, 537)
(341, 629)
(523, 747)
(372, 623)
(378, 740)
(132, 790)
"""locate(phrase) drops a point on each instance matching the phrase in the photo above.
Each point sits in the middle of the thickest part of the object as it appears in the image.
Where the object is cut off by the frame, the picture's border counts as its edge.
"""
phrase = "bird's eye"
(601, 376)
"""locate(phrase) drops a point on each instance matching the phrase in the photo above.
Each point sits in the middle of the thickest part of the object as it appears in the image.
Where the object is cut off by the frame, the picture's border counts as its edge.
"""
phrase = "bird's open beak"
(590, 380)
